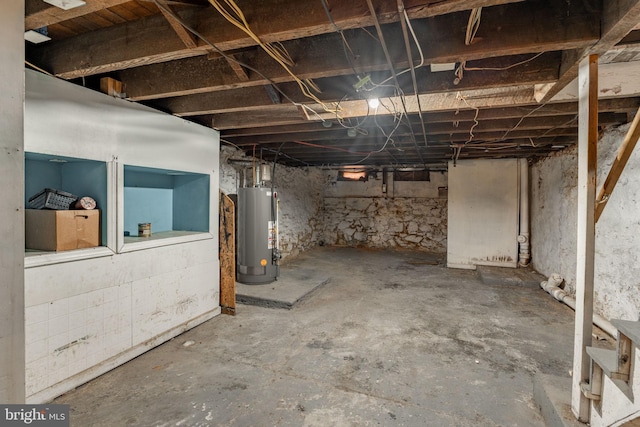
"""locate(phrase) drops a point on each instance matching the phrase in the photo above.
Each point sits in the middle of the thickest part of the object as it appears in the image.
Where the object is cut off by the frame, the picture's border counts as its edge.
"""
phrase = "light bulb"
(373, 103)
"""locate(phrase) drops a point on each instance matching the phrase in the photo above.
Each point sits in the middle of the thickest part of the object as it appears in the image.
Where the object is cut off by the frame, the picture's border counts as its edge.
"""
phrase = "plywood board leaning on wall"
(227, 255)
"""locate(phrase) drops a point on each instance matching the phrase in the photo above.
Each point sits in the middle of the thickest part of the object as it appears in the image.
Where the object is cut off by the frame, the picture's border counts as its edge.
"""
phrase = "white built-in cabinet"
(89, 310)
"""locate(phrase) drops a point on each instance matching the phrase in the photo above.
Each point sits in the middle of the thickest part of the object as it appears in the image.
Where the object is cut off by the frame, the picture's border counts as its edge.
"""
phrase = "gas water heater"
(258, 252)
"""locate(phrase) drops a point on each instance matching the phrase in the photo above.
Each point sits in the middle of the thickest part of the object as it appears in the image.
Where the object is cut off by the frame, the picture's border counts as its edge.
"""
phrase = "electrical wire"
(388, 138)
(473, 25)
(521, 120)
(393, 72)
(233, 59)
(559, 126)
(288, 156)
(230, 143)
(503, 68)
(403, 23)
(415, 40)
(236, 17)
(345, 44)
(285, 96)
(475, 117)
(398, 118)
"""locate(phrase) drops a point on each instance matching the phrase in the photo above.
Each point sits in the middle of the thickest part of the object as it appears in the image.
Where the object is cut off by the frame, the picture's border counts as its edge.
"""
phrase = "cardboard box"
(50, 230)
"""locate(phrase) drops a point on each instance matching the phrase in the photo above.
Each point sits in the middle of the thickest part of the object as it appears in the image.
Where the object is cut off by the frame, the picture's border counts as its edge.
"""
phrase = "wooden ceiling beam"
(151, 82)
(154, 81)
(327, 60)
(488, 130)
(151, 40)
(333, 90)
(360, 147)
(411, 158)
(283, 114)
(40, 14)
(619, 18)
(605, 105)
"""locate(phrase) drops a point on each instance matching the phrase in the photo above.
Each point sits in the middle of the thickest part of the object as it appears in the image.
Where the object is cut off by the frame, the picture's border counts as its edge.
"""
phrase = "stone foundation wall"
(316, 208)
(381, 213)
(412, 223)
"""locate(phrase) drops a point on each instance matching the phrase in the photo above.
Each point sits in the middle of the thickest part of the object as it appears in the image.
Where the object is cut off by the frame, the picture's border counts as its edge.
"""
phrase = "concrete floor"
(391, 340)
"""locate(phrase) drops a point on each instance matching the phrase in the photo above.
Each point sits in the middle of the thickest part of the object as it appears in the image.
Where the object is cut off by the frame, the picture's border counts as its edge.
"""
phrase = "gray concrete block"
(292, 287)
(552, 394)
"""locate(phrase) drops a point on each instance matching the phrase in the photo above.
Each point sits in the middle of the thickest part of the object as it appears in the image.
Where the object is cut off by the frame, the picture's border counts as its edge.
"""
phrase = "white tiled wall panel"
(116, 304)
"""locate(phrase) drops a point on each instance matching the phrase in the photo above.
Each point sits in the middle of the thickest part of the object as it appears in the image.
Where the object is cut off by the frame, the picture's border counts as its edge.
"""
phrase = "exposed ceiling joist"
(618, 19)
(151, 40)
(39, 14)
(481, 105)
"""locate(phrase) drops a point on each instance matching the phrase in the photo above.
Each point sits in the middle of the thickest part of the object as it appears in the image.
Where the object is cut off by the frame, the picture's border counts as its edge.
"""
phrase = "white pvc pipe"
(524, 253)
(552, 286)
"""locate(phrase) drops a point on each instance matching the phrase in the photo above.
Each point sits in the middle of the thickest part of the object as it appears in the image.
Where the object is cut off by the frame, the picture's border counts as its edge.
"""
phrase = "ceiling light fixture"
(374, 103)
(449, 66)
(66, 4)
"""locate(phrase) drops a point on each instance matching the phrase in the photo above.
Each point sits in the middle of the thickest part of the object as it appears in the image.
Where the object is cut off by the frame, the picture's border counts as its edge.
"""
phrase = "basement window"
(353, 176)
(411, 175)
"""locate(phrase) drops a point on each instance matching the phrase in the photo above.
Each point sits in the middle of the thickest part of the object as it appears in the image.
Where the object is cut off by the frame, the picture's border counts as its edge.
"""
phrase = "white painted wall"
(12, 365)
(617, 270)
(553, 210)
(301, 209)
(89, 310)
(553, 207)
(483, 213)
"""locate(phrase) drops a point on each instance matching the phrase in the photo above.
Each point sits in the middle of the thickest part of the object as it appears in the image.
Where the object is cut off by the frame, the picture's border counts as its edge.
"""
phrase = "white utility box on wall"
(483, 213)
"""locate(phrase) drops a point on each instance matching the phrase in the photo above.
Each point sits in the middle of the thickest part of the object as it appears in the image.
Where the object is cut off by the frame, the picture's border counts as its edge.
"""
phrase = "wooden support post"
(227, 255)
(587, 166)
(618, 165)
